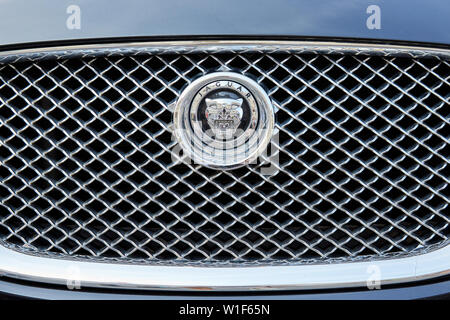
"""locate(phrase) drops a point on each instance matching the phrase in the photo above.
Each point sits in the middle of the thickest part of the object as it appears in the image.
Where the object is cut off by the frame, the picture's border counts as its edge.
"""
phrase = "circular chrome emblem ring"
(223, 120)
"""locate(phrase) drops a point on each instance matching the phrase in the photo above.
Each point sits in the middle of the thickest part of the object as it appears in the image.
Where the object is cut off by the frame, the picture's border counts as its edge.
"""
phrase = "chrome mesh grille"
(86, 168)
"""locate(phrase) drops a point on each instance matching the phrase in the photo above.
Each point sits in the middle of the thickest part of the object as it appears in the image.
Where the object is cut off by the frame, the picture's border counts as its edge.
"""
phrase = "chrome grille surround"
(414, 242)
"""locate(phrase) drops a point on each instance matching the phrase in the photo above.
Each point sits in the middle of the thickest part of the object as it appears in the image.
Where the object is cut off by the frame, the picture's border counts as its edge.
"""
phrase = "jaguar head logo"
(224, 116)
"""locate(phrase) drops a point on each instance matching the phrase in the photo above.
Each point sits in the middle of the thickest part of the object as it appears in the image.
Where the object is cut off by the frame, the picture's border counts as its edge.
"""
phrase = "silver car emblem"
(223, 120)
(224, 116)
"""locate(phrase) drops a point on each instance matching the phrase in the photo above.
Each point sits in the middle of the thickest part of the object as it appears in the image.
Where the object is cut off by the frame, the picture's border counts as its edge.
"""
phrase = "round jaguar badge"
(223, 120)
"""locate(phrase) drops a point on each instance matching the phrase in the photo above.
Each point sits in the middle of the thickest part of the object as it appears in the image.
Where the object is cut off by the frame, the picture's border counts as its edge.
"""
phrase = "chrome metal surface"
(362, 174)
(192, 278)
(242, 147)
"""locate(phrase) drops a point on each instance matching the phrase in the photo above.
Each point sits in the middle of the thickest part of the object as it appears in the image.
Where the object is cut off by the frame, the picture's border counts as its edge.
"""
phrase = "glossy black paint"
(24, 21)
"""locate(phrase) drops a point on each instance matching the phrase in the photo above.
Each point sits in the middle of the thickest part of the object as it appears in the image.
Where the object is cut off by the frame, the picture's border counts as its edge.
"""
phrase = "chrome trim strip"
(214, 44)
(106, 275)
(192, 278)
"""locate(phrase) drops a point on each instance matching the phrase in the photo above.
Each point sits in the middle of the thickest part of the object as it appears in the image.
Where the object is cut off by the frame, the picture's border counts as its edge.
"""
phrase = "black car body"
(413, 260)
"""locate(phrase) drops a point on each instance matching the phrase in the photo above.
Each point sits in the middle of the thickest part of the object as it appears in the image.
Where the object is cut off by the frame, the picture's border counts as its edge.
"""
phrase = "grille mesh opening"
(363, 170)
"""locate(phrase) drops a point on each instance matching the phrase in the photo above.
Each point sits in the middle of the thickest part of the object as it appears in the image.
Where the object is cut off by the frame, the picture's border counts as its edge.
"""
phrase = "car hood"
(24, 21)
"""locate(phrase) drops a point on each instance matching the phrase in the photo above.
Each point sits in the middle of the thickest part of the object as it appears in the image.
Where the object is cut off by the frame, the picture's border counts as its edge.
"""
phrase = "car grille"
(361, 170)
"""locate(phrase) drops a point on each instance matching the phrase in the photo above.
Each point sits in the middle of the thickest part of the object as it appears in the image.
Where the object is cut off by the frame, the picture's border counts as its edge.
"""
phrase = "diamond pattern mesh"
(363, 168)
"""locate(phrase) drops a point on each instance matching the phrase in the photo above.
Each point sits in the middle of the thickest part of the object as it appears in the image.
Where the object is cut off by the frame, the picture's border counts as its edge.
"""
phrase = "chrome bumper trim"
(107, 275)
